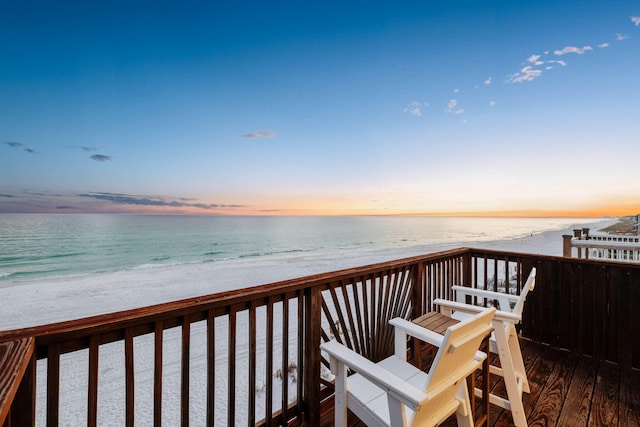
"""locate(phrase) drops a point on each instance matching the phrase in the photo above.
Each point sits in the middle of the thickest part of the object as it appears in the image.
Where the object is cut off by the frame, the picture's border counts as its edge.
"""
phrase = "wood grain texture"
(15, 357)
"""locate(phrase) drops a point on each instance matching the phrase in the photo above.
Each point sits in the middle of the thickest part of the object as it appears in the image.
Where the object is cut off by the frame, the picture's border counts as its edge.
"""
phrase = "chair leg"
(518, 363)
(339, 369)
(464, 415)
(510, 378)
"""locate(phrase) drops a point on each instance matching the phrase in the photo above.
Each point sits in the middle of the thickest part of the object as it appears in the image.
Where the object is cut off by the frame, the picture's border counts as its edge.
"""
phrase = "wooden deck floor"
(566, 390)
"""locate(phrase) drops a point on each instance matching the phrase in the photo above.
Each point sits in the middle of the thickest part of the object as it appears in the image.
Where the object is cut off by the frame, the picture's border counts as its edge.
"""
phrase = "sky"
(491, 108)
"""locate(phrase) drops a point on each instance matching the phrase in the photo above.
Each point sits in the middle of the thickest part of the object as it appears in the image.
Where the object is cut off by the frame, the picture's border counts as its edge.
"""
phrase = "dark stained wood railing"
(252, 356)
(586, 306)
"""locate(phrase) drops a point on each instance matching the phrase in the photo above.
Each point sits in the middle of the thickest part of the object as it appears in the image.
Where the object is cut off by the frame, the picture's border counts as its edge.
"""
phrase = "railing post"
(577, 233)
(466, 270)
(417, 291)
(566, 245)
(312, 359)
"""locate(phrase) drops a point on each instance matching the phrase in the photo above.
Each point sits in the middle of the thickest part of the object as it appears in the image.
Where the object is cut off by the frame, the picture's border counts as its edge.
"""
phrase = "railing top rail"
(102, 322)
(605, 244)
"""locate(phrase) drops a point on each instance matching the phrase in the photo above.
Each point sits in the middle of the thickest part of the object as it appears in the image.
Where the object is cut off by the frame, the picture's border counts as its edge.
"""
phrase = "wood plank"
(629, 407)
(15, 357)
(211, 369)
(553, 395)
(634, 333)
(23, 410)
(576, 409)
(252, 365)
(616, 286)
(284, 402)
(53, 385)
(312, 357)
(158, 341)
(269, 364)
(539, 369)
(185, 368)
(231, 369)
(604, 408)
(129, 378)
(92, 391)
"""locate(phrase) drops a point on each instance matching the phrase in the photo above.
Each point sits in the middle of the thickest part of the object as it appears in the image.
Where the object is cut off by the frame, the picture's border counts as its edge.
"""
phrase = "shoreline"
(71, 298)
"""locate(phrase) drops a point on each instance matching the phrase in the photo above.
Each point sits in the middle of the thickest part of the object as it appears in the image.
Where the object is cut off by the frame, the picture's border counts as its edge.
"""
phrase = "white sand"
(42, 302)
(57, 300)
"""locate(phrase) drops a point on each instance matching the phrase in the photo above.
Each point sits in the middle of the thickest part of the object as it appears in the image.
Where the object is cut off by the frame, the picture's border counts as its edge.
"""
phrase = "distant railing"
(610, 247)
(252, 356)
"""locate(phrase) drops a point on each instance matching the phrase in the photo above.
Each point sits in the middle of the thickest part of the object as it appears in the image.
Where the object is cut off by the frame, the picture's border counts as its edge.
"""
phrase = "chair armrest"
(416, 331)
(379, 376)
(503, 316)
(484, 293)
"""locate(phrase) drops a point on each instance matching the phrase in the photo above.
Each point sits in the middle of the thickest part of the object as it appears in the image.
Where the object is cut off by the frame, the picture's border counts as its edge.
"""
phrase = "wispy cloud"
(126, 199)
(100, 158)
(492, 103)
(15, 144)
(488, 81)
(537, 63)
(535, 60)
(451, 107)
(83, 148)
(572, 49)
(260, 134)
(9, 196)
(415, 108)
(557, 61)
(526, 74)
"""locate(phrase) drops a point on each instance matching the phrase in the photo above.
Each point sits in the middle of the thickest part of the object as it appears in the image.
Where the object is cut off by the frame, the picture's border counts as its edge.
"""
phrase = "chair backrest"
(528, 286)
(454, 361)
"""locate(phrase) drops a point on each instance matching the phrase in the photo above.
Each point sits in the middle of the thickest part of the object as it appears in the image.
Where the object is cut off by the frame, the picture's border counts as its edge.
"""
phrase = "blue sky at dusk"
(320, 107)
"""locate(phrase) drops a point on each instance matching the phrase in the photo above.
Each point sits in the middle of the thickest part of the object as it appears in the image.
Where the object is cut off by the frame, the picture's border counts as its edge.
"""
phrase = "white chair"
(504, 340)
(393, 392)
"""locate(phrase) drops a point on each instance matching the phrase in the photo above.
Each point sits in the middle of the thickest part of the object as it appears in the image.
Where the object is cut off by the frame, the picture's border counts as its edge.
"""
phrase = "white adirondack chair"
(504, 339)
(393, 392)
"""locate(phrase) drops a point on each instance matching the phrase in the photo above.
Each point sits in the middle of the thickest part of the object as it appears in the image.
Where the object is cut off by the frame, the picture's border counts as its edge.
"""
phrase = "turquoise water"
(35, 247)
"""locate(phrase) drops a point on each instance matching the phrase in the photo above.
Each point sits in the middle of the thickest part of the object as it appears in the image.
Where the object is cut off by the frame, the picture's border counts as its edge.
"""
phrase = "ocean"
(39, 247)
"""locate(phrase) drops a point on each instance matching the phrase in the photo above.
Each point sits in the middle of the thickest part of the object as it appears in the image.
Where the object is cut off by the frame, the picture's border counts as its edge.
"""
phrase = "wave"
(148, 266)
(269, 253)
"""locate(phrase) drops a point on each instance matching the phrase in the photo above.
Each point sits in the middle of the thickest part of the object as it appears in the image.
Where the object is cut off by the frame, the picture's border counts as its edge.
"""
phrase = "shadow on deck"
(566, 389)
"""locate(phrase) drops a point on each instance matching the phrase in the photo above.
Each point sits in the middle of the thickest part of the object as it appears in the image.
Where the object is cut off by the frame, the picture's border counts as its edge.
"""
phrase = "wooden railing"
(252, 356)
(607, 247)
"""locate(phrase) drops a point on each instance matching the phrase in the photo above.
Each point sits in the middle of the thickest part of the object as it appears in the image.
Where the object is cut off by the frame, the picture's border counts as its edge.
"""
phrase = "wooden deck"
(566, 390)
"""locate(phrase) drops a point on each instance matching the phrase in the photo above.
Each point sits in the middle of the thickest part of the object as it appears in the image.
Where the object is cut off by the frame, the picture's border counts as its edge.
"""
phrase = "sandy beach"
(63, 299)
